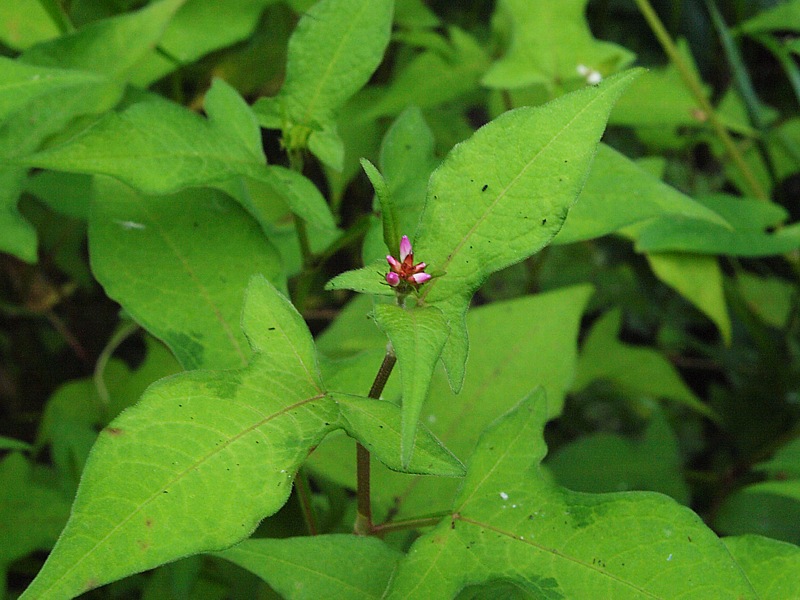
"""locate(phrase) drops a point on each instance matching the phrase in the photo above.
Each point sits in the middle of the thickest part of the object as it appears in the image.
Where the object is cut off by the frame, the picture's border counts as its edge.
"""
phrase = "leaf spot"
(504, 496)
(115, 431)
(485, 187)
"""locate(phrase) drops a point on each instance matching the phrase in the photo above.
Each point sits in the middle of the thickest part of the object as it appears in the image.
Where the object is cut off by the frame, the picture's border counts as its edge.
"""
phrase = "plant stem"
(416, 523)
(304, 496)
(695, 86)
(363, 524)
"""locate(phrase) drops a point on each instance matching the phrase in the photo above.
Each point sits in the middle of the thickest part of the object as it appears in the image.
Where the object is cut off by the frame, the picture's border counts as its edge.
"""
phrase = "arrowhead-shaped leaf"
(502, 195)
(199, 461)
(205, 455)
(418, 336)
(510, 525)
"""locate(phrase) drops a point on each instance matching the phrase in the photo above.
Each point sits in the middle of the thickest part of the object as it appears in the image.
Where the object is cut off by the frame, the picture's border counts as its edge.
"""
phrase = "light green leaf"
(20, 83)
(698, 279)
(179, 265)
(619, 193)
(24, 23)
(232, 439)
(606, 462)
(678, 234)
(334, 50)
(19, 236)
(548, 40)
(436, 76)
(771, 566)
(744, 214)
(377, 424)
(502, 195)
(418, 336)
(391, 231)
(343, 567)
(640, 371)
(367, 280)
(509, 523)
(199, 27)
(659, 99)
(300, 194)
(111, 46)
(516, 345)
(167, 147)
(783, 17)
(414, 13)
(407, 159)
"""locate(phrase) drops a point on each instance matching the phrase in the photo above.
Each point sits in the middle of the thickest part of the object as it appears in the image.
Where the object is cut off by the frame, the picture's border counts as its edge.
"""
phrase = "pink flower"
(404, 270)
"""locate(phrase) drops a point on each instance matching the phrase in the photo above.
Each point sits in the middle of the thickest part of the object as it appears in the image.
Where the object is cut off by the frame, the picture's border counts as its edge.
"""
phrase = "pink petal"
(405, 248)
(420, 277)
(392, 278)
(393, 262)
(419, 267)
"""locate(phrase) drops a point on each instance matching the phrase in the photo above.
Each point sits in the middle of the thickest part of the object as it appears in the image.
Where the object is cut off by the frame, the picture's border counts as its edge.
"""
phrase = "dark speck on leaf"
(114, 431)
(544, 221)
(485, 187)
(271, 328)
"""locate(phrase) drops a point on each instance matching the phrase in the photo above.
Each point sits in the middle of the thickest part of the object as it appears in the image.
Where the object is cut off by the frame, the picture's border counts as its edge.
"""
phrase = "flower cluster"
(404, 270)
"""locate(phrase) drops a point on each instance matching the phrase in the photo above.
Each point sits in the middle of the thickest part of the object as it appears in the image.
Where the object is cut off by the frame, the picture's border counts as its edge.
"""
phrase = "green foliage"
(601, 265)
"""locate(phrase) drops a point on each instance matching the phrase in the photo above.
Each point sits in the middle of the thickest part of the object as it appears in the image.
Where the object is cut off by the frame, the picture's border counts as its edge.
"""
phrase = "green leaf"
(351, 332)
(7, 443)
(377, 424)
(770, 508)
(24, 23)
(785, 462)
(698, 279)
(548, 40)
(31, 514)
(112, 46)
(179, 265)
(324, 566)
(231, 438)
(389, 216)
(19, 236)
(516, 345)
(606, 462)
(510, 523)
(20, 83)
(436, 76)
(418, 336)
(407, 159)
(502, 195)
(771, 566)
(334, 50)
(640, 371)
(619, 193)
(167, 147)
(659, 99)
(367, 280)
(199, 27)
(783, 17)
(678, 234)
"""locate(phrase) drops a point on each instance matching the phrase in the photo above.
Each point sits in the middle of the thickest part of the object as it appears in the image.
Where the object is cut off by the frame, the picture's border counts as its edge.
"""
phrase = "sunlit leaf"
(502, 195)
(510, 524)
(418, 336)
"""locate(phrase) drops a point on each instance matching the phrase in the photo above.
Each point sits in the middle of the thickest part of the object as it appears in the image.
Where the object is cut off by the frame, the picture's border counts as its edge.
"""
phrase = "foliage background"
(686, 376)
